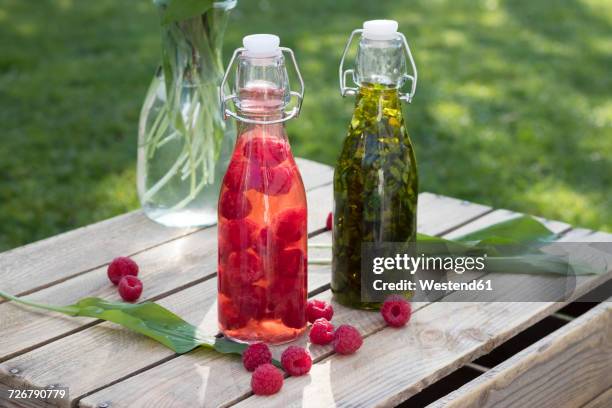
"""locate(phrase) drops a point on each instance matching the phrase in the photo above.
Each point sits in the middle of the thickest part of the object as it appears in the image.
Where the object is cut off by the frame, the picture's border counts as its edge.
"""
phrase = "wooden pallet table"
(105, 366)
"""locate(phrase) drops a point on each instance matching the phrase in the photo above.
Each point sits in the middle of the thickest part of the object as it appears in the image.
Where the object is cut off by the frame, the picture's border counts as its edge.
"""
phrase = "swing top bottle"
(262, 207)
(375, 180)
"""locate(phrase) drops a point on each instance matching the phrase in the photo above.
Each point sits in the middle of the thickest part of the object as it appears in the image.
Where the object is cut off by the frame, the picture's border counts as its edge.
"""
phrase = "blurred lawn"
(513, 107)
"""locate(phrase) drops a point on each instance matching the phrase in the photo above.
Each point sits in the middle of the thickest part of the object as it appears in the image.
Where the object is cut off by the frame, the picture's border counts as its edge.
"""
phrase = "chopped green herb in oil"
(375, 188)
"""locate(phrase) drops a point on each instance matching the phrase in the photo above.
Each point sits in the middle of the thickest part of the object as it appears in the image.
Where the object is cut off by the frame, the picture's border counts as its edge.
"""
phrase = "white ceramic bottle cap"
(380, 29)
(261, 45)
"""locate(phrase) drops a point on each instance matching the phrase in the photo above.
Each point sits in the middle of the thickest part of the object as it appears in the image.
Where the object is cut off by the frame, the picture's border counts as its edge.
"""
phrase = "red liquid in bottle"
(262, 235)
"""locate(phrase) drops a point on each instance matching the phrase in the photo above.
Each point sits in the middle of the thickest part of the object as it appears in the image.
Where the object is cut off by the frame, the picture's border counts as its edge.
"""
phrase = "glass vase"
(184, 145)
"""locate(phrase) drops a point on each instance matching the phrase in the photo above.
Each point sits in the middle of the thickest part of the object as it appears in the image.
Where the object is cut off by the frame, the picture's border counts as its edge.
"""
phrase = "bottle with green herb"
(375, 181)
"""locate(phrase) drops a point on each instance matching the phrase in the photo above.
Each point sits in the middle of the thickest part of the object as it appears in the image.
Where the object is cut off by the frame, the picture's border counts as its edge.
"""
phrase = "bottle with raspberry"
(375, 180)
(262, 204)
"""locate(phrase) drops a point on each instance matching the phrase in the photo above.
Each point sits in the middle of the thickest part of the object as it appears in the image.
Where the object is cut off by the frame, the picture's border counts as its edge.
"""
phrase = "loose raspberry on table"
(317, 309)
(236, 235)
(130, 288)
(266, 380)
(396, 311)
(321, 332)
(347, 339)
(234, 205)
(267, 151)
(121, 267)
(296, 360)
(329, 223)
(256, 355)
(290, 262)
(290, 225)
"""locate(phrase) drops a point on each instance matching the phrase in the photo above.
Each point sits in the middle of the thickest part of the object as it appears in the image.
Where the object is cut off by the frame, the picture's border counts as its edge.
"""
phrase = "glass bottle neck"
(262, 88)
(380, 62)
(261, 101)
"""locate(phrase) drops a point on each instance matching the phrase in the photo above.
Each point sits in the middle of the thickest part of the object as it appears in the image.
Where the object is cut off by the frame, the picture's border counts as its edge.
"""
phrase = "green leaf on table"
(430, 245)
(177, 10)
(520, 230)
(517, 235)
(147, 318)
(517, 245)
(225, 346)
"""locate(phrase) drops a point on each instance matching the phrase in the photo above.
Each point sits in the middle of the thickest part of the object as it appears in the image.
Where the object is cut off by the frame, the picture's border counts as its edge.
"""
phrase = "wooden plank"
(604, 400)
(444, 218)
(41, 264)
(164, 269)
(199, 377)
(567, 368)
(396, 364)
(52, 260)
(585, 235)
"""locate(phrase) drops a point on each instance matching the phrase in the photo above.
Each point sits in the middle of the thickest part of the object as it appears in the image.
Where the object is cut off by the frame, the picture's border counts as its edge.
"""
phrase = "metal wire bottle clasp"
(345, 90)
(288, 114)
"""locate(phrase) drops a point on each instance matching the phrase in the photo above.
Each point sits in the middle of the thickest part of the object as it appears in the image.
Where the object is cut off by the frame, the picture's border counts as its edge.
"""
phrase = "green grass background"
(513, 107)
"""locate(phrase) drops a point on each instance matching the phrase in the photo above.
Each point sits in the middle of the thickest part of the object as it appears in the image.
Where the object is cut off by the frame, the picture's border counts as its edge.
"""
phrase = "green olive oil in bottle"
(375, 180)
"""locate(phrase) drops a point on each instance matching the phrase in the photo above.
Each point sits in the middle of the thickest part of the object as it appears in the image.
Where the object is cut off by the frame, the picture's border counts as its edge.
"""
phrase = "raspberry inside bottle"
(262, 205)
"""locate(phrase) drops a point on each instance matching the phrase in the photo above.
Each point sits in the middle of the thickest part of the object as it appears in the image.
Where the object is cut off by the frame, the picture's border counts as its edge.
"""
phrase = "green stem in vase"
(191, 68)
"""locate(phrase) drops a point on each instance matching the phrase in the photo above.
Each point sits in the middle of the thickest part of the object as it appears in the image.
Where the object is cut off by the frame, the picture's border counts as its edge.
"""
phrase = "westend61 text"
(430, 284)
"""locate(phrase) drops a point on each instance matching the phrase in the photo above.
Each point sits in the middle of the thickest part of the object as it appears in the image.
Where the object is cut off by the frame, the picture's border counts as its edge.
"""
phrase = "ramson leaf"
(147, 318)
